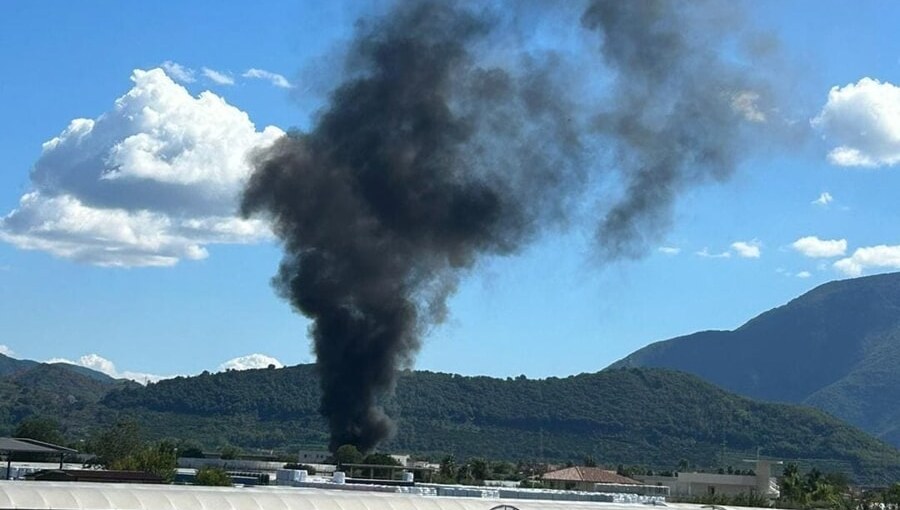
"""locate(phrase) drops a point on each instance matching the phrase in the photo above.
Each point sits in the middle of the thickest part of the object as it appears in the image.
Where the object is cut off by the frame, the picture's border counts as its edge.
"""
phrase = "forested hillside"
(836, 348)
(635, 416)
(651, 417)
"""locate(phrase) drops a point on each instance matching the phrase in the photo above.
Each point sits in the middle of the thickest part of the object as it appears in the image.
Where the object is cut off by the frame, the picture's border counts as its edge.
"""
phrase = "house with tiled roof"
(584, 478)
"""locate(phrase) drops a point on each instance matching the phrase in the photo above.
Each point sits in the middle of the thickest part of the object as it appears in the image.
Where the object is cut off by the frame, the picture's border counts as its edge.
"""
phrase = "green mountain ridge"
(9, 365)
(650, 417)
(836, 348)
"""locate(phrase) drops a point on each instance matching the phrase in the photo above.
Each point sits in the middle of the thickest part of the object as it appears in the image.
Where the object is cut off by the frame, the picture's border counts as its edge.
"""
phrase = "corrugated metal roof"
(9, 444)
(588, 474)
(102, 496)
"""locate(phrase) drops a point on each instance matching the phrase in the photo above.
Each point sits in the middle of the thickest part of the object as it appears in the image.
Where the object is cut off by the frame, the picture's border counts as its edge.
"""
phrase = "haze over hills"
(836, 348)
(651, 417)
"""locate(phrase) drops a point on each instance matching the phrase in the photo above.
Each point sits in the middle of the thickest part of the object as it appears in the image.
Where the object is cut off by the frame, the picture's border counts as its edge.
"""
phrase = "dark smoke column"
(425, 160)
(421, 163)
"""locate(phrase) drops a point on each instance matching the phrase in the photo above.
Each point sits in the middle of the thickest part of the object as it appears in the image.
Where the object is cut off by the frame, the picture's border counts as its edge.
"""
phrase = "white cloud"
(6, 351)
(669, 250)
(875, 257)
(812, 246)
(746, 102)
(803, 274)
(747, 249)
(178, 72)
(217, 77)
(705, 253)
(148, 183)
(249, 362)
(824, 199)
(100, 364)
(863, 121)
(275, 78)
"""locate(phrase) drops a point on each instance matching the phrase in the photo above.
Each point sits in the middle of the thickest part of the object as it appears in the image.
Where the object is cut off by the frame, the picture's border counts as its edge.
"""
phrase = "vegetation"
(40, 428)
(347, 454)
(120, 447)
(213, 477)
(836, 348)
(814, 489)
(647, 417)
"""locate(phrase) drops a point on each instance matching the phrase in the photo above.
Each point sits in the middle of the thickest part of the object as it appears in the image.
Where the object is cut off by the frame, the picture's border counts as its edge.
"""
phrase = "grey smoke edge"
(426, 160)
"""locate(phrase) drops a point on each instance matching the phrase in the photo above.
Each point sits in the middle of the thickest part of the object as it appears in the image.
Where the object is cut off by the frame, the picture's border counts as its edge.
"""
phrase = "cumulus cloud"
(148, 183)
(863, 121)
(100, 364)
(747, 249)
(6, 351)
(217, 77)
(274, 78)
(178, 72)
(824, 199)
(249, 362)
(871, 257)
(803, 274)
(812, 246)
(705, 253)
(669, 250)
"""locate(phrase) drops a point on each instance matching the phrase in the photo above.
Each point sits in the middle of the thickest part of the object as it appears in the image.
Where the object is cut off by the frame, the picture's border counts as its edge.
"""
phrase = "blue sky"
(790, 218)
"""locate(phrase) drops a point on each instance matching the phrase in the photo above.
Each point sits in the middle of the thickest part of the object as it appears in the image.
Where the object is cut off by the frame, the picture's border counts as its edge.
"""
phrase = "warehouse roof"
(103, 496)
(15, 444)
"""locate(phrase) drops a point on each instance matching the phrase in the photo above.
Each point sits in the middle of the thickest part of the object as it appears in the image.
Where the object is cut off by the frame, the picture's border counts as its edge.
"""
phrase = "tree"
(229, 453)
(479, 469)
(116, 443)
(347, 454)
(40, 428)
(792, 484)
(448, 470)
(213, 477)
(158, 459)
(382, 459)
(891, 495)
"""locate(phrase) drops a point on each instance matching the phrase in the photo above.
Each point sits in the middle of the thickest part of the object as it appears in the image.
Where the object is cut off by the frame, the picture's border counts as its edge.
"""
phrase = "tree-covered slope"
(836, 347)
(653, 417)
(9, 366)
(53, 391)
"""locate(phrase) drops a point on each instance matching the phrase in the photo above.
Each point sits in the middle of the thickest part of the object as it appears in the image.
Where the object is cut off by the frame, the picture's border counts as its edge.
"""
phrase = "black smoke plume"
(427, 158)
(675, 110)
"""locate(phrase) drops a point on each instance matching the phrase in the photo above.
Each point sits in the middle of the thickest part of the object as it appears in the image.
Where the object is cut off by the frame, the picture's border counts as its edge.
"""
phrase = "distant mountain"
(87, 372)
(10, 365)
(836, 348)
(55, 391)
(631, 416)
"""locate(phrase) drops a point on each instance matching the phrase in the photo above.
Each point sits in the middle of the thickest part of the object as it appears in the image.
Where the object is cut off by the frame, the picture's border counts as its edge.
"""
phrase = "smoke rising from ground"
(427, 158)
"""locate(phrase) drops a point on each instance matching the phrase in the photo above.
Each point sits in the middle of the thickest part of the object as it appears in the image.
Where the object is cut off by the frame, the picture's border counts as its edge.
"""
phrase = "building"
(313, 457)
(702, 484)
(10, 447)
(107, 496)
(583, 478)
